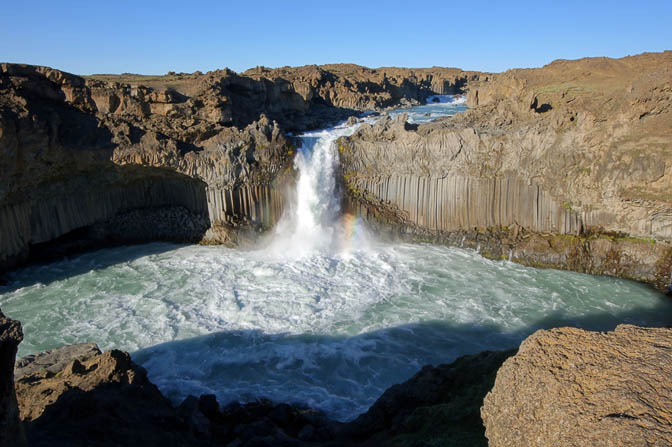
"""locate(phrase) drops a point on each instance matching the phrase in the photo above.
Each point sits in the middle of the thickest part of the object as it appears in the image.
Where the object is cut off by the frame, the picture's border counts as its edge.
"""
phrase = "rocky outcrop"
(352, 87)
(419, 173)
(439, 405)
(79, 168)
(572, 387)
(563, 387)
(11, 430)
(574, 148)
(297, 98)
(80, 396)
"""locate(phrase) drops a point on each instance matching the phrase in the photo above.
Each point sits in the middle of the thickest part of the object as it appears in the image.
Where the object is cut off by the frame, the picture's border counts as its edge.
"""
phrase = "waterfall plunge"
(312, 221)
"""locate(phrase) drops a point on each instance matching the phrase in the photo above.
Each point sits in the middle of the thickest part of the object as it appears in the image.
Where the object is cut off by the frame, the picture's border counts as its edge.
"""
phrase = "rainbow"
(354, 233)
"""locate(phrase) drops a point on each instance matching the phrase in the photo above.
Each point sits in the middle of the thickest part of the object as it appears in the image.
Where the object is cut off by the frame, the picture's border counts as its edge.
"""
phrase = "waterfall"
(313, 221)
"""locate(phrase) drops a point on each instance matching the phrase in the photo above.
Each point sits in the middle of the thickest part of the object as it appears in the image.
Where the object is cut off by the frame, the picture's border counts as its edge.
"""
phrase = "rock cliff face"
(347, 86)
(572, 387)
(577, 148)
(206, 153)
(11, 430)
(440, 405)
(69, 160)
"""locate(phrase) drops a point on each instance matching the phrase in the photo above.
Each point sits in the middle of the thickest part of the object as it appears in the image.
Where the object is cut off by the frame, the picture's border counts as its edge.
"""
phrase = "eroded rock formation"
(207, 153)
(563, 387)
(572, 387)
(576, 148)
(438, 405)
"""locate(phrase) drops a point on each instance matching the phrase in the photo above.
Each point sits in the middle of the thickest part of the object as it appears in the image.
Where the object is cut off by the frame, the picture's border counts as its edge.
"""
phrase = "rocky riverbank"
(563, 387)
(78, 395)
(565, 166)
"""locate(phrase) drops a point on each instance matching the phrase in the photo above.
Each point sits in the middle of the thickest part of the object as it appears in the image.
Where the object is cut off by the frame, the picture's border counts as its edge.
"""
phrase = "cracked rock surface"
(571, 387)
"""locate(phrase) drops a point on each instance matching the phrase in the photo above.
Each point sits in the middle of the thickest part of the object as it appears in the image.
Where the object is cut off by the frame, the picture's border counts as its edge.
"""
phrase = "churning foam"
(447, 99)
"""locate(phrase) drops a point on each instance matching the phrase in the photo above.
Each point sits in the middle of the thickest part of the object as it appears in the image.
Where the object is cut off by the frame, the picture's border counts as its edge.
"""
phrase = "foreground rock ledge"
(570, 387)
(11, 430)
(79, 396)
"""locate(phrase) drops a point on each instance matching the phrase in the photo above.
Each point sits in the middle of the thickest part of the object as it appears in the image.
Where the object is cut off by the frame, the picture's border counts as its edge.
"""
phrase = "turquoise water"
(329, 330)
(321, 314)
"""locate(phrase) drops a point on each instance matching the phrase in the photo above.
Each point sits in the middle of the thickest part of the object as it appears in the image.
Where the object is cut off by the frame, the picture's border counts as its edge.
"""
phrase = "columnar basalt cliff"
(75, 154)
(179, 157)
(566, 166)
(577, 149)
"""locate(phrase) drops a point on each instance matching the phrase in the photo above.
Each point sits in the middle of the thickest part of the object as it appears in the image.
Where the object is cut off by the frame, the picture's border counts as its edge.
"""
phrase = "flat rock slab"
(54, 360)
(571, 387)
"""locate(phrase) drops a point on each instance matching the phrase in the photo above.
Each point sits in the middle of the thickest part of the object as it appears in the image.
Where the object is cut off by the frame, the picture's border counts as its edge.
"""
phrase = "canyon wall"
(461, 202)
(576, 148)
(579, 149)
(199, 157)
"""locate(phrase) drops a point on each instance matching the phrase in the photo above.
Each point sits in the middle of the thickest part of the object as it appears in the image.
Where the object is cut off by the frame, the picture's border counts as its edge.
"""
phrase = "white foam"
(447, 99)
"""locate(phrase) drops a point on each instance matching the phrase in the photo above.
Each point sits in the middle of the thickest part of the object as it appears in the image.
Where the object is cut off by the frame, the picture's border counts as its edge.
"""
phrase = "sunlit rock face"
(210, 148)
(109, 170)
(573, 387)
(535, 153)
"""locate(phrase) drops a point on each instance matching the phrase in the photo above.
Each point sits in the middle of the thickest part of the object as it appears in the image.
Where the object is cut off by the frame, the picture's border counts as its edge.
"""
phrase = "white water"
(312, 222)
(324, 316)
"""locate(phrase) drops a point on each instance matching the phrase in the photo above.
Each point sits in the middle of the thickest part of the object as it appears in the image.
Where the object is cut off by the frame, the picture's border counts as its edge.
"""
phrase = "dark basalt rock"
(538, 156)
(11, 430)
(564, 387)
(439, 405)
(86, 154)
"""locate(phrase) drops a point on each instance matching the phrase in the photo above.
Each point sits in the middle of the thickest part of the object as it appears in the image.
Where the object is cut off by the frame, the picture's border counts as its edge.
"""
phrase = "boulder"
(78, 396)
(571, 387)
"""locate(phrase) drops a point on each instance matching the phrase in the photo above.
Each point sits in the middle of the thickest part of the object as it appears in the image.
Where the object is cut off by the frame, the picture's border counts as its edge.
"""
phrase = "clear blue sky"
(156, 37)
